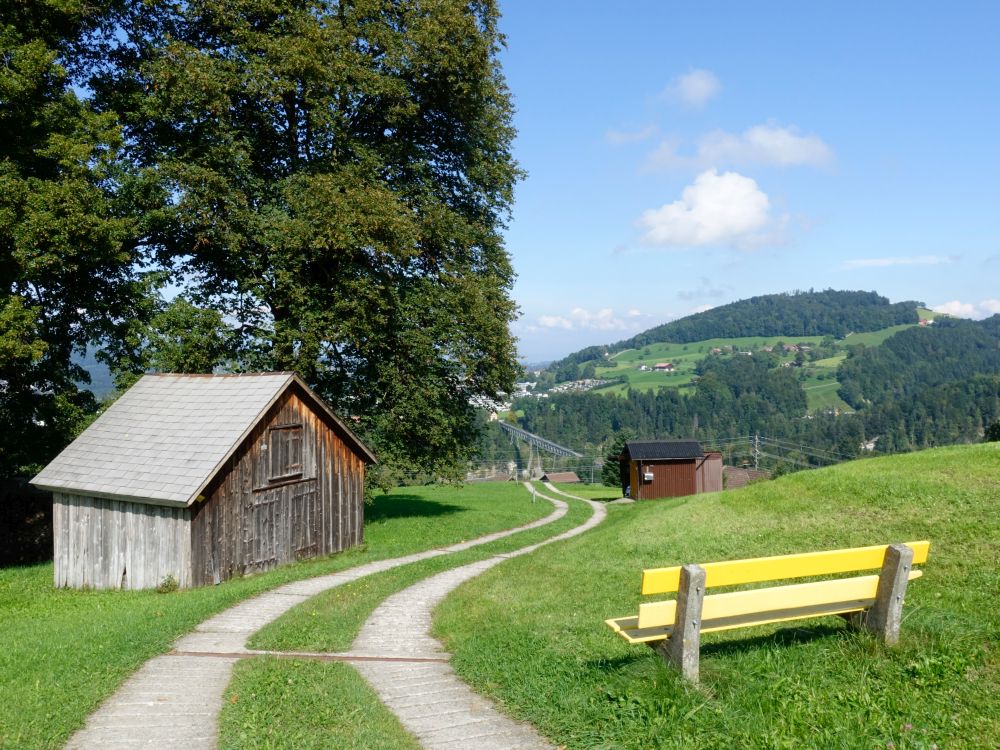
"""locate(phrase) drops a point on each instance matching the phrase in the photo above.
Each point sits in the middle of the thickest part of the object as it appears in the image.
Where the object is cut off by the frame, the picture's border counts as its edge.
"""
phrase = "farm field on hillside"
(65, 651)
(821, 392)
(873, 338)
(529, 636)
(818, 377)
(684, 358)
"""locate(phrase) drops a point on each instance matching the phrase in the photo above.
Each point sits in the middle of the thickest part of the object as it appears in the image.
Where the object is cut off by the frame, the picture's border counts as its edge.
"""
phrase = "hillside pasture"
(818, 377)
(873, 338)
(684, 358)
(531, 634)
(821, 390)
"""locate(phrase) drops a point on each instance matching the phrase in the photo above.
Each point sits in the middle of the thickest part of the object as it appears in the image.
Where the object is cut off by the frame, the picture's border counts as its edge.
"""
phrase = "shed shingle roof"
(565, 477)
(166, 437)
(650, 450)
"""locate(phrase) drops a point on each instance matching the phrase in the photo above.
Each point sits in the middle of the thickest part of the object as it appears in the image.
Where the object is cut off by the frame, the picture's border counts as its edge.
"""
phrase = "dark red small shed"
(652, 469)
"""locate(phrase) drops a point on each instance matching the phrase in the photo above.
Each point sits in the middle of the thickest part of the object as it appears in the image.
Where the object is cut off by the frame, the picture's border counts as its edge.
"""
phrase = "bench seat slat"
(627, 627)
(764, 601)
(733, 572)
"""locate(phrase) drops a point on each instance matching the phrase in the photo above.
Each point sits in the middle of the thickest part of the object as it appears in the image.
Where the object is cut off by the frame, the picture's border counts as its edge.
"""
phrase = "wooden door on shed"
(283, 525)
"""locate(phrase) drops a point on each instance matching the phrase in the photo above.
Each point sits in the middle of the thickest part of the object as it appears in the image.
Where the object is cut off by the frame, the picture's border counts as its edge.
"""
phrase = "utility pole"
(756, 452)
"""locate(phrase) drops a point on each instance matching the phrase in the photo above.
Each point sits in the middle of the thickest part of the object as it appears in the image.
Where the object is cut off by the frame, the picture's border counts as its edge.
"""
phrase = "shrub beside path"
(174, 700)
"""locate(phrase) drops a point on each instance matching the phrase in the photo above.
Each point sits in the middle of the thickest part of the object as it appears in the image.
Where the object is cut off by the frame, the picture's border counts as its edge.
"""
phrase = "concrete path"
(432, 703)
(174, 700)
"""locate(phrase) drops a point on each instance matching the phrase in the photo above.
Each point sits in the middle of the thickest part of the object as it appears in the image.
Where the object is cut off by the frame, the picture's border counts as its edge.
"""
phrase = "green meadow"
(531, 635)
(65, 651)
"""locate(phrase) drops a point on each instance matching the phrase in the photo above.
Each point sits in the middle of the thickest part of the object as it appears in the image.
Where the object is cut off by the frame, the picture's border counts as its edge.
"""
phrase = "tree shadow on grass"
(407, 506)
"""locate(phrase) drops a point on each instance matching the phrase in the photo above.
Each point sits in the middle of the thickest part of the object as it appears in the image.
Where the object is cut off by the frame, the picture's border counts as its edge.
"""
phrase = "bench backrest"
(781, 567)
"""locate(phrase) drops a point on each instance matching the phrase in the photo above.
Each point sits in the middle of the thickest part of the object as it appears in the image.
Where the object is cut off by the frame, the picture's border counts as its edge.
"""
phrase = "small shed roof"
(167, 436)
(652, 450)
(563, 477)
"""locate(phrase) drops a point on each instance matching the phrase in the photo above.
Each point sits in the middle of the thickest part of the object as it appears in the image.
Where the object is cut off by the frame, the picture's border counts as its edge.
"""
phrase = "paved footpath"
(432, 703)
(174, 700)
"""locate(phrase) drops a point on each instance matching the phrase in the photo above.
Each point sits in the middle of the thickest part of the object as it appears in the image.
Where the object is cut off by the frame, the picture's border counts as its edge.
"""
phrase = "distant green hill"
(797, 315)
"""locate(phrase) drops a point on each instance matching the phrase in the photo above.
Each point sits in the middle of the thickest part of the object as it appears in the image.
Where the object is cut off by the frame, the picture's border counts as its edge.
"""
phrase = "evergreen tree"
(611, 471)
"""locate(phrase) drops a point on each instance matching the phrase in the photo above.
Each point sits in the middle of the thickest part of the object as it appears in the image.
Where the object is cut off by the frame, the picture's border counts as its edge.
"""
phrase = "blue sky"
(685, 155)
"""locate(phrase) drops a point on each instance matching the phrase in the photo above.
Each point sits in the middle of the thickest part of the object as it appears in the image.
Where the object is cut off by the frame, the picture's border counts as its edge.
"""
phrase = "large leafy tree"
(66, 249)
(335, 178)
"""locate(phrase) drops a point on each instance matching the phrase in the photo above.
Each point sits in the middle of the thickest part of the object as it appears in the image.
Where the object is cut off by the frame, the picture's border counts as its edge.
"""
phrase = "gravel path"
(432, 703)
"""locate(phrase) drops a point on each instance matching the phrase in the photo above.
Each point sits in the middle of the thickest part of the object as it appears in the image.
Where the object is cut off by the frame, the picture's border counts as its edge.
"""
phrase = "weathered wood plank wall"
(107, 544)
(251, 521)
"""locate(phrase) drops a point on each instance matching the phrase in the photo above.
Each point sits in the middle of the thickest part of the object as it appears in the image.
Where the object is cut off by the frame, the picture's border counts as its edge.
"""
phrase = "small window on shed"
(284, 452)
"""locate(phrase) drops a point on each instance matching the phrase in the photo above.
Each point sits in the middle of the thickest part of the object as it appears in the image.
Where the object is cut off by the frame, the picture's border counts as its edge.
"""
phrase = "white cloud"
(693, 88)
(554, 321)
(604, 319)
(702, 308)
(915, 260)
(626, 137)
(984, 309)
(769, 144)
(715, 209)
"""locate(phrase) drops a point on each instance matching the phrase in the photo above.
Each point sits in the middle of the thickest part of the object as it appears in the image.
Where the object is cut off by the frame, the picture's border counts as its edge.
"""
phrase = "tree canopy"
(67, 246)
(326, 181)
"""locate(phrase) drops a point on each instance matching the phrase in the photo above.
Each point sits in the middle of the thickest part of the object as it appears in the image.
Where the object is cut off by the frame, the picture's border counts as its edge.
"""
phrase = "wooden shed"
(202, 478)
(561, 477)
(652, 469)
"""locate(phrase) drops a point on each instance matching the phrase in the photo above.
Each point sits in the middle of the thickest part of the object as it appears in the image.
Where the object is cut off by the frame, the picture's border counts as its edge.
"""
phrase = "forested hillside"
(735, 396)
(915, 360)
(927, 386)
(924, 386)
(826, 313)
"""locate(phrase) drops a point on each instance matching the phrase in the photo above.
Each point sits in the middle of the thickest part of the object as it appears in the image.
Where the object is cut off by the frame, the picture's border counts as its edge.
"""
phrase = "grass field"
(821, 392)
(591, 491)
(532, 637)
(65, 651)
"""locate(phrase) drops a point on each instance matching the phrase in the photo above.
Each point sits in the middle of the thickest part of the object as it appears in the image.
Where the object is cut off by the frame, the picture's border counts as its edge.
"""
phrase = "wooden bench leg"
(682, 649)
(885, 615)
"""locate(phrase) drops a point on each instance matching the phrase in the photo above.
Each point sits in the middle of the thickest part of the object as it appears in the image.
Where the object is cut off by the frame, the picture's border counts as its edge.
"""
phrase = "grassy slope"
(65, 651)
(532, 636)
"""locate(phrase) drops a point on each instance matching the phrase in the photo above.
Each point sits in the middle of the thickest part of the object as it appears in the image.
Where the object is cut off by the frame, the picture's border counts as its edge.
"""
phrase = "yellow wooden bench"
(873, 602)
